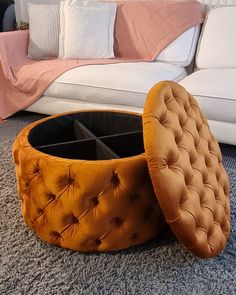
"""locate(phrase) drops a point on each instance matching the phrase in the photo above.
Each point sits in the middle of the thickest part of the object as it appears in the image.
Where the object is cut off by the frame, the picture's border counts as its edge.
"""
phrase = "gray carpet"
(162, 266)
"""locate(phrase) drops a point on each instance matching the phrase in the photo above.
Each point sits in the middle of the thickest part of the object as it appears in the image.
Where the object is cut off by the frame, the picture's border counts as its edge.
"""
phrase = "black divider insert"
(56, 130)
(81, 132)
(90, 135)
(101, 123)
(105, 152)
(110, 123)
(89, 149)
(121, 134)
(125, 145)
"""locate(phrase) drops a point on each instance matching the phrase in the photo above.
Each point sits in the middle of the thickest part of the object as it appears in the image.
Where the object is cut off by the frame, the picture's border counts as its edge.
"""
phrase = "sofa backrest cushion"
(217, 44)
(181, 51)
(44, 30)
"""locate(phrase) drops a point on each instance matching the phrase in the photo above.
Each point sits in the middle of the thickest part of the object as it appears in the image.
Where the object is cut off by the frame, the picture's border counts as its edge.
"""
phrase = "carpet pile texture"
(161, 266)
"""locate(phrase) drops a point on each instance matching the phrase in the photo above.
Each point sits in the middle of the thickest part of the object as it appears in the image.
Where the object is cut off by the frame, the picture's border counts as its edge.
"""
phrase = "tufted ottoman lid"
(185, 165)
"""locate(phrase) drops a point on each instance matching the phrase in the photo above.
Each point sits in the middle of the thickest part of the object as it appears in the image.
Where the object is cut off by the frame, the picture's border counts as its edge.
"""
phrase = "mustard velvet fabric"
(186, 169)
(107, 205)
(82, 205)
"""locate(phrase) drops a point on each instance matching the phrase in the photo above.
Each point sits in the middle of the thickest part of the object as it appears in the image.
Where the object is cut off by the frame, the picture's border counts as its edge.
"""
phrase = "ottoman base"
(83, 181)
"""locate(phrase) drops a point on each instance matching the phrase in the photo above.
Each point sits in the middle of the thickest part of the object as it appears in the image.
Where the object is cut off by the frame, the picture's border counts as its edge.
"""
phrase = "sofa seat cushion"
(215, 90)
(119, 84)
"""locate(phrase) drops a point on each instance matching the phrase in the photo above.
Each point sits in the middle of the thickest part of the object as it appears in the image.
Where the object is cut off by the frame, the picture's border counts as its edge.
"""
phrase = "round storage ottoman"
(83, 181)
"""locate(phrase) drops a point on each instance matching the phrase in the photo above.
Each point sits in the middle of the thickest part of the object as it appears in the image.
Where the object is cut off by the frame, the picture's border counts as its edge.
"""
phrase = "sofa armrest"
(13, 48)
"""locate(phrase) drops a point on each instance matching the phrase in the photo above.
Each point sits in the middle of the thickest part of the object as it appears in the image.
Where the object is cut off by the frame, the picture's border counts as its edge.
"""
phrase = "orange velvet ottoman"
(88, 181)
(83, 181)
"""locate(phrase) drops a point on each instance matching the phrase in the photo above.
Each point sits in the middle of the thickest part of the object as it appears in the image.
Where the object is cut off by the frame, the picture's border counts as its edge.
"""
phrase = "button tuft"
(94, 201)
(55, 234)
(51, 196)
(115, 179)
(97, 242)
(117, 221)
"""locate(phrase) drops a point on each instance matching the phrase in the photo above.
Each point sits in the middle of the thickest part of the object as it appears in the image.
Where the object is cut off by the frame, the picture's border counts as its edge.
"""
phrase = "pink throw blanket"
(142, 31)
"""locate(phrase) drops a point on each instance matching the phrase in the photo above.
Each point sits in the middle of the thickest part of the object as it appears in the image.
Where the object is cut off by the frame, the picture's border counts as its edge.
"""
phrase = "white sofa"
(124, 86)
(213, 82)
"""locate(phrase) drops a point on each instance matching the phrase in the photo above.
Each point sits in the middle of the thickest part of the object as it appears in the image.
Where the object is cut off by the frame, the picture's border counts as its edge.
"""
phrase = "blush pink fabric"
(22, 80)
(142, 30)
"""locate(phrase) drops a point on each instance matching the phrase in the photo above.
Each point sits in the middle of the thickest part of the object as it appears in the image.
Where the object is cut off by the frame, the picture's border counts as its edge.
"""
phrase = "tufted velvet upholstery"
(186, 169)
(85, 205)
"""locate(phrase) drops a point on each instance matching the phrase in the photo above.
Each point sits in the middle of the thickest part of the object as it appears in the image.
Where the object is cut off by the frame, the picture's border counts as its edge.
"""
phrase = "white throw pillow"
(87, 29)
(44, 28)
(181, 51)
(217, 44)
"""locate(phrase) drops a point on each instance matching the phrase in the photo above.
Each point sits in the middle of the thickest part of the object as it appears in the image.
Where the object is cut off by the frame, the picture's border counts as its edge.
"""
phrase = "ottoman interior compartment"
(90, 136)
(126, 144)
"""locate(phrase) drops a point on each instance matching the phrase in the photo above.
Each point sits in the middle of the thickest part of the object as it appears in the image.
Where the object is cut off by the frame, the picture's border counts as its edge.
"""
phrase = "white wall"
(218, 2)
(22, 11)
(22, 14)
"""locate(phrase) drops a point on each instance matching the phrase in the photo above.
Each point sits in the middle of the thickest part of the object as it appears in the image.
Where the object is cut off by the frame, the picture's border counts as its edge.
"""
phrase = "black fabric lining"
(90, 136)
